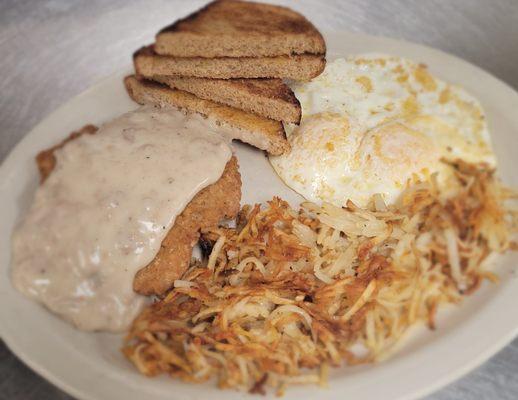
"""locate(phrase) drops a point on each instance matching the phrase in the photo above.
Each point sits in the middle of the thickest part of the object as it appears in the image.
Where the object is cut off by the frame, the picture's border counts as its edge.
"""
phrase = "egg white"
(374, 124)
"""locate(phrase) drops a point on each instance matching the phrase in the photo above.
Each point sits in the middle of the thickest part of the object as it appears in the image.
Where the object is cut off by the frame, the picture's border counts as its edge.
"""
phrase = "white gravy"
(103, 212)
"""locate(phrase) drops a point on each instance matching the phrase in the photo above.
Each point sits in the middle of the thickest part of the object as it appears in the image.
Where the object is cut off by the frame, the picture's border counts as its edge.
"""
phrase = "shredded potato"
(287, 292)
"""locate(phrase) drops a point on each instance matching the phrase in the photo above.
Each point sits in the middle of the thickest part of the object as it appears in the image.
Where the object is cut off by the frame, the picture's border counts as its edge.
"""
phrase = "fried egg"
(375, 124)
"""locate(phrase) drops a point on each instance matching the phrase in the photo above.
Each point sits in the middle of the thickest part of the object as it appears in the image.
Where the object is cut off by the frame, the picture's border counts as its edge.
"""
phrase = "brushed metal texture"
(52, 50)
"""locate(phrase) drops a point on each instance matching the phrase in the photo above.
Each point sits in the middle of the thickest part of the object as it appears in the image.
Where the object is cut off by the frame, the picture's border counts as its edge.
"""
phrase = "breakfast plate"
(91, 366)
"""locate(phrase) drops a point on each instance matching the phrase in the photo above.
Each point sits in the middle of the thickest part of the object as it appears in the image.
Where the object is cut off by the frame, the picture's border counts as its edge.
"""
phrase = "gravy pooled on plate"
(104, 210)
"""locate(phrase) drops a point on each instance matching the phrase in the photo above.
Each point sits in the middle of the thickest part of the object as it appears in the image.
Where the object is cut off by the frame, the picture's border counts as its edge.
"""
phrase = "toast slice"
(263, 133)
(233, 28)
(270, 98)
(300, 67)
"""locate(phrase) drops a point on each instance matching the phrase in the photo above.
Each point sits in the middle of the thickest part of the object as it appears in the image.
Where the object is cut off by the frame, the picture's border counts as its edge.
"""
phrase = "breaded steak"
(46, 161)
(212, 204)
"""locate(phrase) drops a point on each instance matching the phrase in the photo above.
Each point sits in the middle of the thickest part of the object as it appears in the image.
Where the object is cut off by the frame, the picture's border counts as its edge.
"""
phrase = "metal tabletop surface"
(52, 50)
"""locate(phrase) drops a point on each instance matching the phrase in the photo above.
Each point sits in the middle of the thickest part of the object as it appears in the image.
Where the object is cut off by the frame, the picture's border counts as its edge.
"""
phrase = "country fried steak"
(212, 204)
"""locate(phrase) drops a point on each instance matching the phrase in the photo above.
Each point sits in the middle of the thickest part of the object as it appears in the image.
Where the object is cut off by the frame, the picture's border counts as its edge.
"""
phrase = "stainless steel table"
(52, 50)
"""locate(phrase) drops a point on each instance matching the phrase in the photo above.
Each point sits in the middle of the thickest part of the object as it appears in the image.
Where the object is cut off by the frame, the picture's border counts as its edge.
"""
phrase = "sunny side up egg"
(374, 124)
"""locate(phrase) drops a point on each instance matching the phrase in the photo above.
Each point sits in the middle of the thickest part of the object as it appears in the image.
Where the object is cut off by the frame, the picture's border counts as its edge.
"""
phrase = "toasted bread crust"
(233, 28)
(260, 132)
(270, 98)
(299, 67)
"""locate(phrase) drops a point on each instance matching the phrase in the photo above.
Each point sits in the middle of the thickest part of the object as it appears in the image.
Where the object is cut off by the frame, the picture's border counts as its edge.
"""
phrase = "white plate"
(90, 366)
